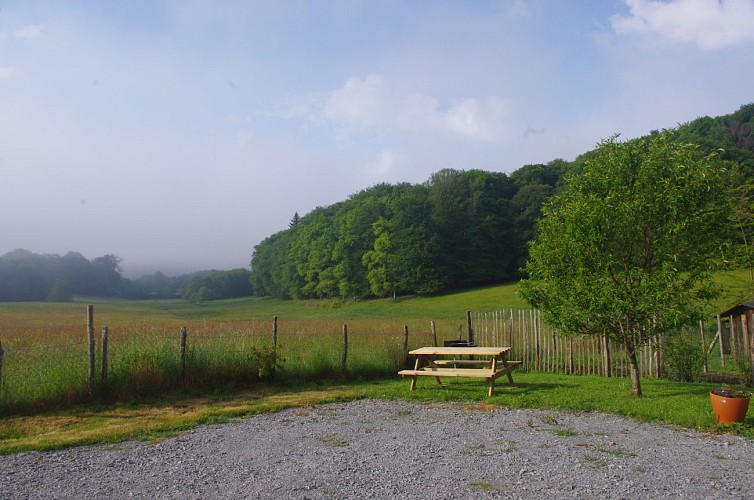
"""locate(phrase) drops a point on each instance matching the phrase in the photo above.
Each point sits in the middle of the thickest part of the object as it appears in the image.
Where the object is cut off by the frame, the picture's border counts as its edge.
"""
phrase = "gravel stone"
(397, 449)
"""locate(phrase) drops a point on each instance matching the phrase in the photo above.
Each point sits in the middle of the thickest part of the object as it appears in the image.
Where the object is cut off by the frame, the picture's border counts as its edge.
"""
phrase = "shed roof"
(739, 309)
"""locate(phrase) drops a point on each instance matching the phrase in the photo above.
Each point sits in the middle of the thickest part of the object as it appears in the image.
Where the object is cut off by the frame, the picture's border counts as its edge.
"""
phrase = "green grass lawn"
(681, 404)
(736, 287)
(446, 306)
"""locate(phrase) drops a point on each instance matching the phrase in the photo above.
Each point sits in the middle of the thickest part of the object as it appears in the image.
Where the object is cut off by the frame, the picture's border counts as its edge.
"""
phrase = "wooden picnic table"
(482, 362)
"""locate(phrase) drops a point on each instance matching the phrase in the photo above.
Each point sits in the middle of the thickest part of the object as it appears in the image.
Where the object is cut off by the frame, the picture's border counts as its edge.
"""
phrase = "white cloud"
(372, 103)
(711, 24)
(30, 31)
(10, 72)
(383, 165)
(361, 102)
(477, 119)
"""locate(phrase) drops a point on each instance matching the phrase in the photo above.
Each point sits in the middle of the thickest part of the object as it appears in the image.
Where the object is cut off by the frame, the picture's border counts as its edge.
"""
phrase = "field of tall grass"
(229, 343)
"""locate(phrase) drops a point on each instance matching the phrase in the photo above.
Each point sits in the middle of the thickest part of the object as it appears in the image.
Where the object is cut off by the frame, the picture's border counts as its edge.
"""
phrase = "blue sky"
(179, 134)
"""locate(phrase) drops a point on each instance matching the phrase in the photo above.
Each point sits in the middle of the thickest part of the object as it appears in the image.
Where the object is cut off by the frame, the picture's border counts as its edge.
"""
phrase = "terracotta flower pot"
(729, 406)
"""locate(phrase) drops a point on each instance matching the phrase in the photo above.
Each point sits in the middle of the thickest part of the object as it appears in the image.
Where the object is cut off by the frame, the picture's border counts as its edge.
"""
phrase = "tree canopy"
(625, 251)
(458, 229)
(26, 276)
(215, 285)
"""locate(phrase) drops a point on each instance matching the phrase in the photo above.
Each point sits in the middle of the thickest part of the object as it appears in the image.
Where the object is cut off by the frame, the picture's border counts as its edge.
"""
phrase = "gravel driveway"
(398, 449)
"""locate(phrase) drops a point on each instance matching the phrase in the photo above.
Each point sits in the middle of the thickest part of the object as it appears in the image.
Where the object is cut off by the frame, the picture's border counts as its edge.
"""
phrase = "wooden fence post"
(720, 340)
(607, 370)
(434, 333)
(344, 359)
(745, 328)
(537, 351)
(510, 330)
(659, 362)
(733, 339)
(184, 333)
(406, 360)
(405, 340)
(104, 355)
(275, 331)
(749, 335)
(469, 327)
(90, 337)
(2, 355)
(751, 356)
(704, 346)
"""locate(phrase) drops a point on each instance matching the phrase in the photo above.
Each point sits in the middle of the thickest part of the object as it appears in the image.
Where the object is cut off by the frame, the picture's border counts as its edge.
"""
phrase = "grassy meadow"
(228, 343)
(232, 370)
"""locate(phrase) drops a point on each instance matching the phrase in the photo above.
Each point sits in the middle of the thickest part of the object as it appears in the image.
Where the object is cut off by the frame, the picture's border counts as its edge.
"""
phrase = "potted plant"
(729, 405)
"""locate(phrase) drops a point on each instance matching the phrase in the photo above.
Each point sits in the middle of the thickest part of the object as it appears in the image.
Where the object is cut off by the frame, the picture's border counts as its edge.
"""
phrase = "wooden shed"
(738, 335)
(738, 338)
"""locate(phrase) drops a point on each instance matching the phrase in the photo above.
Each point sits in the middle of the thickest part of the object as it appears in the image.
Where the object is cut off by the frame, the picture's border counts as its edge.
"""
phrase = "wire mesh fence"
(47, 365)
(143, 358)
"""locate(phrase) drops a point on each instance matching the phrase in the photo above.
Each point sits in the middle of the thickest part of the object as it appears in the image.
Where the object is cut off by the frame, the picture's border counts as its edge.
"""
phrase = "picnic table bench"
(488, 363)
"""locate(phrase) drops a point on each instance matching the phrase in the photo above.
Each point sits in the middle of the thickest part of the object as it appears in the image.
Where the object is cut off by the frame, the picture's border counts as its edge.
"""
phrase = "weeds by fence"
(542, 348)
(49, 366)
(41, 367)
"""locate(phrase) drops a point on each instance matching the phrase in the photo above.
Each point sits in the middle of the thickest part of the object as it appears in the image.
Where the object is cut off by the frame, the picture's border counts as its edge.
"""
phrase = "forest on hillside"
(457, 230)
(29, 277)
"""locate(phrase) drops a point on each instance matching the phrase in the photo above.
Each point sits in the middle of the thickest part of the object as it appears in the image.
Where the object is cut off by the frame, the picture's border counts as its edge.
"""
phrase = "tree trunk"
(634, 364)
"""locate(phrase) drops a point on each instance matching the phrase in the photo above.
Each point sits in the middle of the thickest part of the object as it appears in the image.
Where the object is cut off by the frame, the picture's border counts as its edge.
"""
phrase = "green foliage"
(215, 285)
(453, 231)
(60, 292)
(25, 276)
(743, 365)
(268, 361)
(159, 286)
(732, 135)
(459, 229)
(380, 262)
(684, 356)
(627, 248)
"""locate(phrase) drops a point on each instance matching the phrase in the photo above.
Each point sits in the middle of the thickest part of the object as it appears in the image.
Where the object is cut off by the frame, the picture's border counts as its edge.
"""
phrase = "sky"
(179, 134)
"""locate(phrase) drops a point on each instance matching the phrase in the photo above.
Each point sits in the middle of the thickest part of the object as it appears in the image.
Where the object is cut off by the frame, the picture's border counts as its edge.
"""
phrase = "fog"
(178, 135)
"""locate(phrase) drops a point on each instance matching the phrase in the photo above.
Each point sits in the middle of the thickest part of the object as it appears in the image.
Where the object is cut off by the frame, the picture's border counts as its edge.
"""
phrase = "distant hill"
(30, 277)
(457, 230)
(460, 229)
(733, 133)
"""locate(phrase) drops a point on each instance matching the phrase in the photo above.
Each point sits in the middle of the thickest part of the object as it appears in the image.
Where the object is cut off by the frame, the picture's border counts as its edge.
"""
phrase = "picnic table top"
(460, 351)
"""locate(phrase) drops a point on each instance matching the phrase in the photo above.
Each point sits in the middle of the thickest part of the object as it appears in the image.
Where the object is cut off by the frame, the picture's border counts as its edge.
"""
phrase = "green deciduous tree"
(215, 285)
(626, 249)
(380, 261)
(742, 217)
(60, 292)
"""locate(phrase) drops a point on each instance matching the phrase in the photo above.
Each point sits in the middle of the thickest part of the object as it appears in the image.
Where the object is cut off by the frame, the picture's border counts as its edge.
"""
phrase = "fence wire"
(52, 365)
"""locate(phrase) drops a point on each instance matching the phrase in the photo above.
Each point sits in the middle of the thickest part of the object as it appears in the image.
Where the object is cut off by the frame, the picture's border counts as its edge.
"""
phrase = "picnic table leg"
(431, 363)
(492, 386)
(508, 373)
(413, 379)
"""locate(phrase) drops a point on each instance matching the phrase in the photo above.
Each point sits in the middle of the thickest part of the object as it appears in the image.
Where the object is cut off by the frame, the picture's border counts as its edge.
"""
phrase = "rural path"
(397, 449)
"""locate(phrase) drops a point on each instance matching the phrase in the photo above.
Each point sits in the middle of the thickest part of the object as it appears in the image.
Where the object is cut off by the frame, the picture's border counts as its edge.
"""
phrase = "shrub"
(684, 357)
(743, 363)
